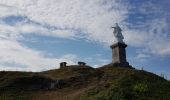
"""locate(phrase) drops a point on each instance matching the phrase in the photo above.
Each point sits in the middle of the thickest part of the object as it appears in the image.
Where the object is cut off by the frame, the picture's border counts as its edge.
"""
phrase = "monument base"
(125, 64)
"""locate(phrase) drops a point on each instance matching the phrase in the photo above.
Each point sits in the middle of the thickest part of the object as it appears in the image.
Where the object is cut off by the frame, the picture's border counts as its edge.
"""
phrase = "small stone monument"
(81, 63)
(118, 48)
(63, 64)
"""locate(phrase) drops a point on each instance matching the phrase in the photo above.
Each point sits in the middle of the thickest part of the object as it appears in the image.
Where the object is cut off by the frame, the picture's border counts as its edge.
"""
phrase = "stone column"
(119, 54)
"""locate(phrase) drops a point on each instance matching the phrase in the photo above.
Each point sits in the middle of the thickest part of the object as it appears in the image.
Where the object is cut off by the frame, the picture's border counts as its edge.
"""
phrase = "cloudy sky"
(37, 35)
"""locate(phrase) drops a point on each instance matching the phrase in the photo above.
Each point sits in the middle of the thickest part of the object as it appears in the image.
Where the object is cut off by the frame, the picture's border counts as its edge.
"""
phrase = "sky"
(36, 35)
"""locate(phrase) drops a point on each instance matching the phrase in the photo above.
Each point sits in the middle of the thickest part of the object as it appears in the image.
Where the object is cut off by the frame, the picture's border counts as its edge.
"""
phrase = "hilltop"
(84, 83)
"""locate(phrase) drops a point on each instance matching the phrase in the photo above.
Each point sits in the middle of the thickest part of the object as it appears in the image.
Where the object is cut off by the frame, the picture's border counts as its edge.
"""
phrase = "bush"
(140, 88)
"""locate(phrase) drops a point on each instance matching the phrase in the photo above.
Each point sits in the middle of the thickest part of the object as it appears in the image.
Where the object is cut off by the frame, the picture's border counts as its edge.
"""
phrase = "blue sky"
(37, 35)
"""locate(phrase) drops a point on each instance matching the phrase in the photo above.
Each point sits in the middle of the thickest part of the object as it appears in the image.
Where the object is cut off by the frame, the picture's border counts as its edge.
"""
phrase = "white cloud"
(8, 10)
(14, 56)
(136, 38)
(142, 57)
(63, 18)
(92, 18)
(89, 16)
(159, 41)
(153, 38)
(66, 16)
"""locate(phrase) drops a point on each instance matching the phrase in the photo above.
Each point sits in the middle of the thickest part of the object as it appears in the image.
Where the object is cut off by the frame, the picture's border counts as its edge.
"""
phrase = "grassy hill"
(84, 83)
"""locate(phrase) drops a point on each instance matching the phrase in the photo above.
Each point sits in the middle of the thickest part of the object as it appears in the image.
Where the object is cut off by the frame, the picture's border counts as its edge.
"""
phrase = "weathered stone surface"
(119, 54)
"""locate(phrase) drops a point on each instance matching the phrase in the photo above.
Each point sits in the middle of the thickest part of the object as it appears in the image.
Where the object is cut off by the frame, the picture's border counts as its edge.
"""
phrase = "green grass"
(85, 83)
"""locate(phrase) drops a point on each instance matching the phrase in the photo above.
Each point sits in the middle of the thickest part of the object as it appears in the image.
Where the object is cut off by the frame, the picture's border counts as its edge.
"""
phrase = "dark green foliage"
(140, 88)
(84, 83)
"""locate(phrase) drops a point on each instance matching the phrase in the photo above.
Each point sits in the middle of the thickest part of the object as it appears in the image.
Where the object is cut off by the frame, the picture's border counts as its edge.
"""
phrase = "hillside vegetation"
(84, 83)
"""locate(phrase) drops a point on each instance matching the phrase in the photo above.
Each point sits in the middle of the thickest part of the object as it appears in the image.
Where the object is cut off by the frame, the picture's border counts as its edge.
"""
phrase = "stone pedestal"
(119, 55)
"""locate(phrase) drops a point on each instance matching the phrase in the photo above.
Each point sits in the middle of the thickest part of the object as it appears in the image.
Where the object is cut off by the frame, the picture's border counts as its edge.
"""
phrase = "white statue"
(118, 34)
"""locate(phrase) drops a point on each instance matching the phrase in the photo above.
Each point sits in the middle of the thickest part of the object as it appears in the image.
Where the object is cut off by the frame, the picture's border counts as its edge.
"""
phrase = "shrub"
(140, 88)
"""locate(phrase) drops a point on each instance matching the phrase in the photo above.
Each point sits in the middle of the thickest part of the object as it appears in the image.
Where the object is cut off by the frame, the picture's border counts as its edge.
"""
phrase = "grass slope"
(84, 83)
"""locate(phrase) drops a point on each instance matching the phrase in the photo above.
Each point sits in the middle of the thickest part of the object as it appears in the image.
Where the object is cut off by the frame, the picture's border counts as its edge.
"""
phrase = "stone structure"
(63, 64)
(81, 63)
(118, 49)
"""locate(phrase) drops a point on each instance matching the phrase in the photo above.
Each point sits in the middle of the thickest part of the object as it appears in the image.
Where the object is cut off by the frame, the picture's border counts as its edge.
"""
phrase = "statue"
(118, 49)
(118, 34)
